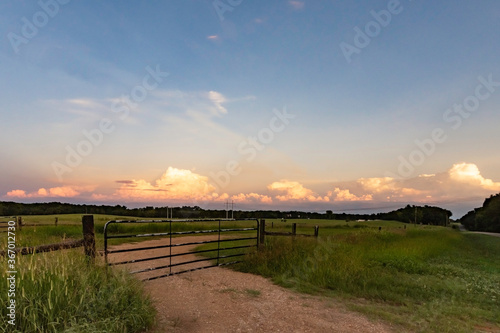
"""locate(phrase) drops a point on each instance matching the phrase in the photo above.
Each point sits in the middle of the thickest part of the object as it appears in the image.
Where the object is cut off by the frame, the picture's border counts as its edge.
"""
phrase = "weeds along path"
(223, 300)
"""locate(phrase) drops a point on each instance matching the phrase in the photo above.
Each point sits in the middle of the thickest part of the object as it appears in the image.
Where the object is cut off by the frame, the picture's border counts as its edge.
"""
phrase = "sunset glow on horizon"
(299, 105)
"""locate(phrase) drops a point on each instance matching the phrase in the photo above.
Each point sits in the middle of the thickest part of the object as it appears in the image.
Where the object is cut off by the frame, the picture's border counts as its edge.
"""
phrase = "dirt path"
(494, 234)
(222, 300)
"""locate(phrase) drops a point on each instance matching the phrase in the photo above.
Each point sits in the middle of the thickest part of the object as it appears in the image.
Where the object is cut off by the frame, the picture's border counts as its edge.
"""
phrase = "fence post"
(262, 231)
(294, 229)
(19, 222)
(89, 236)
(316, 231)
(56, 221)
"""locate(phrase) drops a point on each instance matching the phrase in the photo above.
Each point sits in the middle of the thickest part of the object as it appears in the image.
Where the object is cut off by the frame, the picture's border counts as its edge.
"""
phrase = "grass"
(60, 291)
(333, 227)
(424, 280)
(253, 292)
(44, 231)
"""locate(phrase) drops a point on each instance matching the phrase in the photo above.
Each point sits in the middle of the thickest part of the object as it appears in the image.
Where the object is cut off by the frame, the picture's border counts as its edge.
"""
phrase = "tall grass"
(61, 291)
(424, 280)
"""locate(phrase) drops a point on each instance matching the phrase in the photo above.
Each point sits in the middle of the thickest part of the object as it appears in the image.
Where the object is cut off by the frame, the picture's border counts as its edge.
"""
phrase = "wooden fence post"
(294, 229)
(316, 231)
(57, 220)
(89, 236)
(262, 232)
(19, 222)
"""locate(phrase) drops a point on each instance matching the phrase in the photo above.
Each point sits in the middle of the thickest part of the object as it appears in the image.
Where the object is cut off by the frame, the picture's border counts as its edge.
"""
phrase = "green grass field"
(60, 291)
(421, 279)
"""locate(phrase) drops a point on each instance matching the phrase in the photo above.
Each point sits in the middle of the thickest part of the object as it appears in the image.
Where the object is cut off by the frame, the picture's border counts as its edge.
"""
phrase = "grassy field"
(420, 278)
(428, 279)
(61, 291)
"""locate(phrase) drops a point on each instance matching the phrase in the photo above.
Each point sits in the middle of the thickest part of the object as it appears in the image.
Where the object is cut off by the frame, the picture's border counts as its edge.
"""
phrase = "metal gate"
(230, 239)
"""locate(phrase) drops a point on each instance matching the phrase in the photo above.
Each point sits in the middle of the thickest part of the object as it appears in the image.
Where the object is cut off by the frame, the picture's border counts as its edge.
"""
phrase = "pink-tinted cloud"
(461, 180)
(54, 192)
(174, 184)
(252, 198)
(295, 191)
(346, 195)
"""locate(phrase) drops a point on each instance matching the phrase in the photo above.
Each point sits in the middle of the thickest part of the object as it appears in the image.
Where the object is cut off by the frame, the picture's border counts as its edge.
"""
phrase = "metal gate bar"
(219, 230)
(174, 245)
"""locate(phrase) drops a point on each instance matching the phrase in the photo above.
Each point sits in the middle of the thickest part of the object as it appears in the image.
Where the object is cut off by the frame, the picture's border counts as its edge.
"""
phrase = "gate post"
(262, 232)
(89, 236)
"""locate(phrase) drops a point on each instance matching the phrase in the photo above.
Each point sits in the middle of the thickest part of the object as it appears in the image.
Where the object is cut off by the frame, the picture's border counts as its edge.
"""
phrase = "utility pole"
(232, 209)
(227, 208)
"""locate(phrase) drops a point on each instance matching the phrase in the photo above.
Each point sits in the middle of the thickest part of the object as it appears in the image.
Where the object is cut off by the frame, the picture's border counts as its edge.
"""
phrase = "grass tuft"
(60, 291)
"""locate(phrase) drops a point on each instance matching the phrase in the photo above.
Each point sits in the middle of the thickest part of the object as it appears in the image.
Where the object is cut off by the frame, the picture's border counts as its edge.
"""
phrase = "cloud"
(460, 181)
(54, 192)
(346, 195)
(90, 110)
(469, 174)
(296, 5)
(206, 103)
(218, 99)
(174, 184)
(213, 37)
(252, 198)
(295, 191)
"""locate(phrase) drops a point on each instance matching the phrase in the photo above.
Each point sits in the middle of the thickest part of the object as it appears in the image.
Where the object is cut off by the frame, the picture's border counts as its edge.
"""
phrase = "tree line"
(485, 218)
(408, 214)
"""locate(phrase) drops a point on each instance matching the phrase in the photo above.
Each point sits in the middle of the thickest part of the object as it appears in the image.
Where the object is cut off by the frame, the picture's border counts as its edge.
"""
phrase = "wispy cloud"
(296, 5)
(218, 99)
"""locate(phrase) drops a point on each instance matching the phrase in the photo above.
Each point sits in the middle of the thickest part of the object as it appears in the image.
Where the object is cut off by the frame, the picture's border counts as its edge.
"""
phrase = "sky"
(361, 106)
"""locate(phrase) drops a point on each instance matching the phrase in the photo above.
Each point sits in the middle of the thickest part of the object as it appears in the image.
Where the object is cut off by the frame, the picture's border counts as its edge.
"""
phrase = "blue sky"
(235, 68)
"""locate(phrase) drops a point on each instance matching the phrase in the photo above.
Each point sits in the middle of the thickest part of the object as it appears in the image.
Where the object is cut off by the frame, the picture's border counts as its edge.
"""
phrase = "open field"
(42, 229)
(332, 227)
(60, 291)
(418, 278)
(424, 280)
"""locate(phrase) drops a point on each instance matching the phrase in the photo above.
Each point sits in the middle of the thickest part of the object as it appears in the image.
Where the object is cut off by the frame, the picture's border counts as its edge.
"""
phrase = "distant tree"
(485, 218)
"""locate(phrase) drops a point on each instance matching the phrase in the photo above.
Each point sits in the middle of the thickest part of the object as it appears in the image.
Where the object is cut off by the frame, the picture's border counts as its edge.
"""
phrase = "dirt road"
(222, 300)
